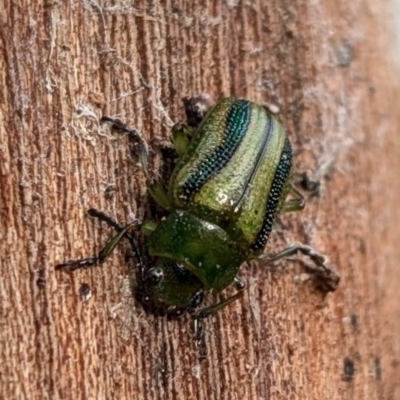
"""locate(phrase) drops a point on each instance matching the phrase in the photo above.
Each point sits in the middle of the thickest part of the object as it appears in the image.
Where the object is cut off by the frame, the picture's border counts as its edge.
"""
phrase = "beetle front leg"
(106, 251)
(199, 315)
(240, 285)
(328, 279)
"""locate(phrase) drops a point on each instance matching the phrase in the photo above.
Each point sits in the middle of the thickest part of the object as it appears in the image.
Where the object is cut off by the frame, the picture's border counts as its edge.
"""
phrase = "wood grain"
(327, 65)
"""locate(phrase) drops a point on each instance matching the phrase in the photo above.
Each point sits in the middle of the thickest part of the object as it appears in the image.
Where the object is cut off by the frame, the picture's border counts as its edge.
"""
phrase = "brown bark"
(327, 65)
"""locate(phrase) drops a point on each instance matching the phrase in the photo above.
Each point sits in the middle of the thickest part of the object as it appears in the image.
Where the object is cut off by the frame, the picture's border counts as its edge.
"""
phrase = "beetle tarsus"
(199, 338)
(196, 108)
(240, 283)
(73, 265)
(134, 135)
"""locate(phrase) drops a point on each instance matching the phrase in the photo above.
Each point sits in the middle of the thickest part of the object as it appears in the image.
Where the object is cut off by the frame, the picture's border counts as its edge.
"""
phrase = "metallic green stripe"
(236, 127)
(259, 159)
(281, 175)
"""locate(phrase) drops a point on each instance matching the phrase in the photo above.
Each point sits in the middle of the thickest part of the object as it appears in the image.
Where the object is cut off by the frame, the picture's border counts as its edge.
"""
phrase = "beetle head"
(169, 288)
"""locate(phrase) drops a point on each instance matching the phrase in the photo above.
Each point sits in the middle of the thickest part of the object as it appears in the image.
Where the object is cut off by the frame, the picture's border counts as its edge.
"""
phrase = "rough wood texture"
(327, 65)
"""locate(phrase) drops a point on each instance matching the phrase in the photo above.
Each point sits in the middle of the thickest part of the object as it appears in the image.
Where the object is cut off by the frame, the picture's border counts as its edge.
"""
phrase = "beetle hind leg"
(296, 203)
(196, 108)
(326, 276)
(134, 135)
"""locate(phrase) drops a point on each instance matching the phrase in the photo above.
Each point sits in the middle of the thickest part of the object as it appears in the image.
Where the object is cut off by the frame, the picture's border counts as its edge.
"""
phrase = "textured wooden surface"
(326, 65)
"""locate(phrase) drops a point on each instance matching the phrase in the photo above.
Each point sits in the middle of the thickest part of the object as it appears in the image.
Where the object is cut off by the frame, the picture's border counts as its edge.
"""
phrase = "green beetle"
(233, 177)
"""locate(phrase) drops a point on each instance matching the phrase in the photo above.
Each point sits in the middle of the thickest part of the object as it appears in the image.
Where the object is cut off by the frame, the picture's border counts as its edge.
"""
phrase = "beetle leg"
(214, 308)
(295, 204)
(181, 136)
(159, 195)
(199, 337)
(134, 135)
(114, 224)
(328, 279)
(199, 315)
(155, 189)
(239, 283)
(148, 227)
(196, 108)
(105, 252)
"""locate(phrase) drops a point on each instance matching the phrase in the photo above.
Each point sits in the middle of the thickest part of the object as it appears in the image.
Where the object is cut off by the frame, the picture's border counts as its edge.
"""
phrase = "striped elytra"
(235, 172)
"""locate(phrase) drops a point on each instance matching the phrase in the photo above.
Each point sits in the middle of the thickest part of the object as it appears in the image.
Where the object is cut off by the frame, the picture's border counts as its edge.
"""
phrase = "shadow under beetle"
(233, 177)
